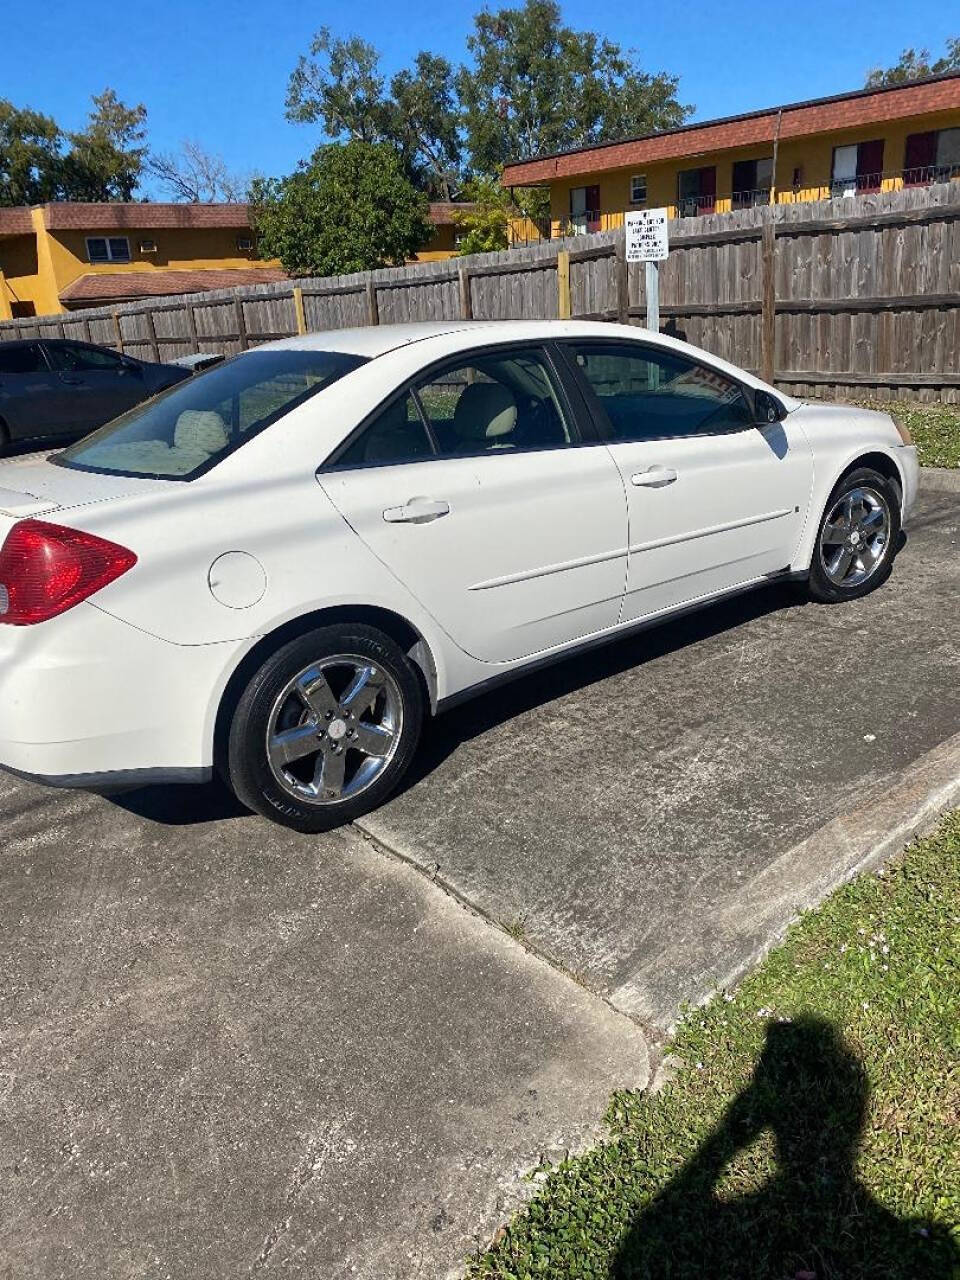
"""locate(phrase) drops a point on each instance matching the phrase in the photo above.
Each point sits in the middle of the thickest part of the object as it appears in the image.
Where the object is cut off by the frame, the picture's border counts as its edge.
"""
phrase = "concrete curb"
(939, 480)
(754, 920)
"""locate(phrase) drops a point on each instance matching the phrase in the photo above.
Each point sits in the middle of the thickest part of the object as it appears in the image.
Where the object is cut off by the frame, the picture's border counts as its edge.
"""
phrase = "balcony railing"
(533, 230)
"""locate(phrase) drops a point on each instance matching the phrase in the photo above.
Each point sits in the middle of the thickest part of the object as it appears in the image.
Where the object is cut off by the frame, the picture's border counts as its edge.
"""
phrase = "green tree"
(424, 120)
(484, 227)
(351, 208)
(106, 159)
(29, 155)
(914, 64)
(538, 86)
(339, 85)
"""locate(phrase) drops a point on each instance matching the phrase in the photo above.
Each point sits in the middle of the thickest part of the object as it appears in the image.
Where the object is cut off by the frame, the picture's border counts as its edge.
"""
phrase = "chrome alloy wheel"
(334, 729)
(855, 536)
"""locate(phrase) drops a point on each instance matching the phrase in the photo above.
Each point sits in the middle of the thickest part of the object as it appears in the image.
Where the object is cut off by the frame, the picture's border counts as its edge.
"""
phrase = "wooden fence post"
(373, 307)
(564, 309)
(241, 325)
(152, 334)
(623, 282)
(192, 327)
(298, 308)
(466, 294)
(118, 331)
(768, 305)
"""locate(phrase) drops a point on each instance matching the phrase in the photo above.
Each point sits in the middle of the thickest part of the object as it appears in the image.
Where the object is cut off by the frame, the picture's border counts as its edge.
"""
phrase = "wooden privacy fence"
(857, 295)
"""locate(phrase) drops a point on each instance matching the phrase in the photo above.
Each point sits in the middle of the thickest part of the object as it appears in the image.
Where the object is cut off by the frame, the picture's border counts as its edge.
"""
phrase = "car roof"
(376, 340)
(448, 337)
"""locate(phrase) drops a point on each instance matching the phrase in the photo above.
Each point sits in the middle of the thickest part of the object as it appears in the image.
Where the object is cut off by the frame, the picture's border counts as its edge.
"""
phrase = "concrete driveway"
(228, 1050)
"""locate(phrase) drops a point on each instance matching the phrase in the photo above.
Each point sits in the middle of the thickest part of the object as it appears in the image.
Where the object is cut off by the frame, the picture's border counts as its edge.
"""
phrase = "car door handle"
(70, 380)
(653, 477)
(417, 511)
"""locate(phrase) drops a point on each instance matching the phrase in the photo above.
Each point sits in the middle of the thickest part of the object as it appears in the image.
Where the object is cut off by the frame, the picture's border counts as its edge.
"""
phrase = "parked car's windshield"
(189, 428)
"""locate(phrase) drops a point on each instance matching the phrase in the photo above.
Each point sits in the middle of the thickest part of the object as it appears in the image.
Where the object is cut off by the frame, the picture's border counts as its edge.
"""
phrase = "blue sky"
(216, 70)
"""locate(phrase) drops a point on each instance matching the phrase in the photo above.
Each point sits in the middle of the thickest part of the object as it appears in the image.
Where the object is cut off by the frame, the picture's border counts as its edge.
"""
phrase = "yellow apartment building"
(852, 143)
(443, 243)
(59, 257)
(62, 257)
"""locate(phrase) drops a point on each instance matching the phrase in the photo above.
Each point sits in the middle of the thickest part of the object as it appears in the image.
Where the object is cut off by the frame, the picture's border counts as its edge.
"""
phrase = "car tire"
(326, 728)
(857, 538)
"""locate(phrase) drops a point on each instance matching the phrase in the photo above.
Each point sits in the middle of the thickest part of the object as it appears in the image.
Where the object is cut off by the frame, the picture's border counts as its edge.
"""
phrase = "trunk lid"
(33, 487)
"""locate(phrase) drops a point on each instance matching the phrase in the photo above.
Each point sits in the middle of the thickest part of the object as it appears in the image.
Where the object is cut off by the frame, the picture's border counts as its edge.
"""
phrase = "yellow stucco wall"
(35, 269)
(19, 275)
(812, 155)
(442, 245)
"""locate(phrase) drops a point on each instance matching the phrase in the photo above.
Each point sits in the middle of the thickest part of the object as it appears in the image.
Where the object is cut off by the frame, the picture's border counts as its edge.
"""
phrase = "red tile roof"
(442, 212)
(126, 286)
(143, 217)
(798, 119)
(16, 221)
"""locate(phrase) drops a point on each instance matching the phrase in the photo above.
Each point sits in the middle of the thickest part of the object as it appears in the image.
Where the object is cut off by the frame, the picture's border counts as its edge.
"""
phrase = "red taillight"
(46, 569)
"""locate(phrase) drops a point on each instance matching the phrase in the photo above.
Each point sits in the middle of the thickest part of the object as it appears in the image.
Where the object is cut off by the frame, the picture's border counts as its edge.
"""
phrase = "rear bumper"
(88, 701)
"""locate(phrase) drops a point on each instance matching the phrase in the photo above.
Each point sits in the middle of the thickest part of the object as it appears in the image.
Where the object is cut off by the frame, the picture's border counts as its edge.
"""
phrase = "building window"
(108, 249)
(638, 188)
(857, 168)
(696, 191)
(932, 156)
(752, 180)
(244, 244)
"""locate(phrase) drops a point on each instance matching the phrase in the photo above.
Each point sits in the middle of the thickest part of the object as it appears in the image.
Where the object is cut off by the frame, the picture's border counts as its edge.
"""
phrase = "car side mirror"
(767, 408)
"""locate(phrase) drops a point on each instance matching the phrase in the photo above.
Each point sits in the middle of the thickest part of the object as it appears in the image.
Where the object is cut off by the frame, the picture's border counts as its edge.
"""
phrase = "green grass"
(813, 1126)
(935, 428)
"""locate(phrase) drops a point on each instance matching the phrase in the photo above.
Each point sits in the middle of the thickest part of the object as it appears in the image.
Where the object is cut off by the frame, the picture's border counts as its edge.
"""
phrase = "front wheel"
(857, 538)
(326, 728)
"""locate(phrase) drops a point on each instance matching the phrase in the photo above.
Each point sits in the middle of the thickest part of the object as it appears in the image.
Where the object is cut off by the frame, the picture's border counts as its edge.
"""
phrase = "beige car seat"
(486, 415)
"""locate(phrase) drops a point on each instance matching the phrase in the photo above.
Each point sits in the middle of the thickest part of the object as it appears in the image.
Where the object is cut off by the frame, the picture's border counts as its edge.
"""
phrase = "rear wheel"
(857, 538)
(326, 728)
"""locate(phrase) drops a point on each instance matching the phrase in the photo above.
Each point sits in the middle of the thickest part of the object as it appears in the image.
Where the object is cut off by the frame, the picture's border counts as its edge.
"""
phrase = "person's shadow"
(812, 1219)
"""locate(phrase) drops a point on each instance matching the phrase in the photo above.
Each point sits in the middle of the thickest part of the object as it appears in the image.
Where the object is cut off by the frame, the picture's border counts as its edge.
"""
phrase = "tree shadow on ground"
(813, 1219)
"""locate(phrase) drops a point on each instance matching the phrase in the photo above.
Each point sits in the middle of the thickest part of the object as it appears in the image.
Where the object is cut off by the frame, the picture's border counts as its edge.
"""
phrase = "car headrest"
(485, 411)
(201, 430)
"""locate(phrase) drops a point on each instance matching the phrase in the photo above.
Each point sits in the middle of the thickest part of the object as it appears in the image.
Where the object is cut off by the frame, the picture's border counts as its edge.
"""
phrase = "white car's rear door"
(714, 500)
(475, 491)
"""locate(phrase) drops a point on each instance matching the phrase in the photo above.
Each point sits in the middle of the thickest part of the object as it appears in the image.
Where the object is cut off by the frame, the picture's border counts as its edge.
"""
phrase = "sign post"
(647, 241)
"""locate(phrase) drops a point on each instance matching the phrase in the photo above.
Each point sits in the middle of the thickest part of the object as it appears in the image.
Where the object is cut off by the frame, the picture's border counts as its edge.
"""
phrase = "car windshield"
(191, 427)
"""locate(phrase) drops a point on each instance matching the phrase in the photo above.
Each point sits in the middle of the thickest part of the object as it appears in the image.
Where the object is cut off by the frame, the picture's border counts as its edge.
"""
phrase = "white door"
(474, 491)
(714, 500)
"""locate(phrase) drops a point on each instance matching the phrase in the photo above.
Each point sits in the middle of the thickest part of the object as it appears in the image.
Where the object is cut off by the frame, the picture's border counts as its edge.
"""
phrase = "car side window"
(494, 403)
(23, 357)
(396, 434)
(649, 394)
(72, 357)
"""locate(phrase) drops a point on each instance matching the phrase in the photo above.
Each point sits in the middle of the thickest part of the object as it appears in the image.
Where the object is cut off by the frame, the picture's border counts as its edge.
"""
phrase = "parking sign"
(646, 231)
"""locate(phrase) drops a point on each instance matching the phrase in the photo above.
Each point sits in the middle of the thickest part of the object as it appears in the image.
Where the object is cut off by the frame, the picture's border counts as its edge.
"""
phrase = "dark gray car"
(53, 387)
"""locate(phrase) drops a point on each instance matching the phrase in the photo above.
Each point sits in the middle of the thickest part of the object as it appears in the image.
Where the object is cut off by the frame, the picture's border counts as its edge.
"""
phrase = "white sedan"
(277, 569)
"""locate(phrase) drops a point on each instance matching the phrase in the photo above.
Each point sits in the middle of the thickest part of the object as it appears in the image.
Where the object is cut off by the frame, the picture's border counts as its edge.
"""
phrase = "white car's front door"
(474, 490)
(715, 501)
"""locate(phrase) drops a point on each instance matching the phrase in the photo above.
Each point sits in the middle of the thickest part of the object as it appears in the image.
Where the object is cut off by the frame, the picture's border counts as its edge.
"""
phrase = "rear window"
(193, 426)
